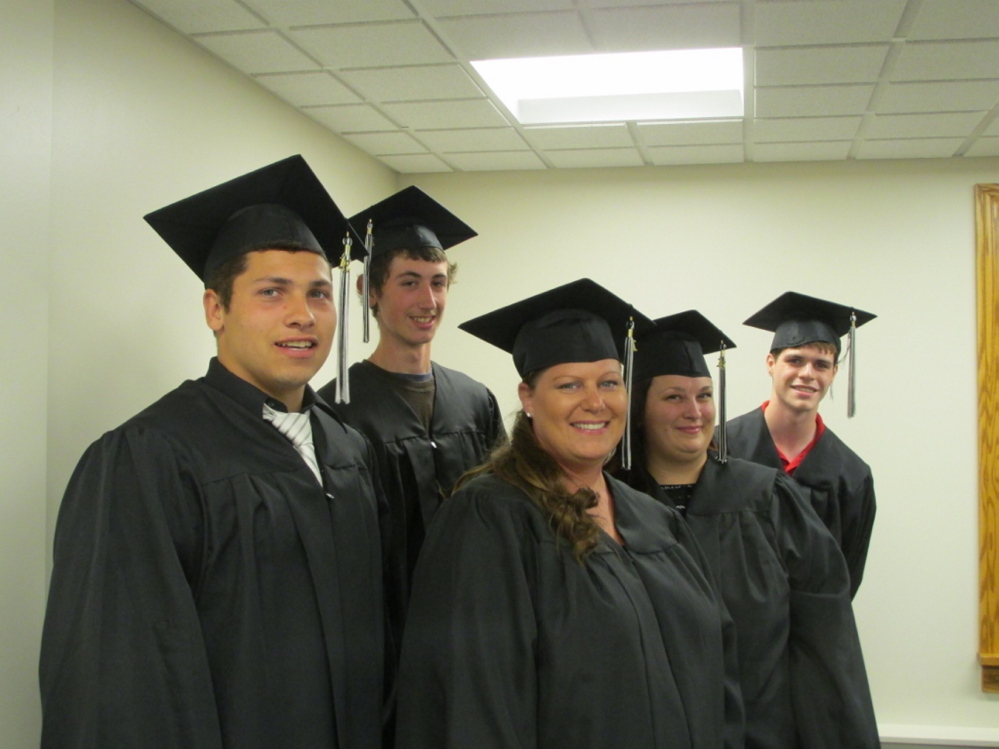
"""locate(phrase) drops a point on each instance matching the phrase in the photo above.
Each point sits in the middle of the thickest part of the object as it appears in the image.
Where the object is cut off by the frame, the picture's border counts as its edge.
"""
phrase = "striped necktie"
(298, 429)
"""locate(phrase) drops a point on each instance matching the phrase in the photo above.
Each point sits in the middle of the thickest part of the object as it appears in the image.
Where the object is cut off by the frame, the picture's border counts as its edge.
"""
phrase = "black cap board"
(797, 319)
(282, 203)
(410, 219)
(578, 322)
(677, 346)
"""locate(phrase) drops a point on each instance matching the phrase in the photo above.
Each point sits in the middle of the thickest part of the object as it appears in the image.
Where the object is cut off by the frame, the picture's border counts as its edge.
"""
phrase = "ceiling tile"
(947, 19)
(347, 119)
(479, 139)
(806, 129)
(305, 89)
(821, 22)
(826, 151)
(949, 96)
(676, 155)
(691, 133)
(374, 45)
(441, 115)
(413, 83)
(518, 35)
(383, 144)
(946, 61)
(257, 51)
(194, 16)
(595, 157)
(813, 101)
(446, 8)
(579, 136)
(496, 161)
(310, 12)
(922, 125)
(834, 79)
(816, 65)
(984, 147)
(416, 164)
(667, 27)
(919, 148)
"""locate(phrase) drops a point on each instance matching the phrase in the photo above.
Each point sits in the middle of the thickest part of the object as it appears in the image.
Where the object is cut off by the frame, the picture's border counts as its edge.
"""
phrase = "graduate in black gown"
(779, 570)
(215, 583)
(427, 423)
(552, 605)
(787, 431)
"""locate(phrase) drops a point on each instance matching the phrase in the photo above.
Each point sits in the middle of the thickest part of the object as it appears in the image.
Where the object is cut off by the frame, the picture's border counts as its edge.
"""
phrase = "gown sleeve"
(829, 690)
(857, 536)
(468, 676)
(123, 662)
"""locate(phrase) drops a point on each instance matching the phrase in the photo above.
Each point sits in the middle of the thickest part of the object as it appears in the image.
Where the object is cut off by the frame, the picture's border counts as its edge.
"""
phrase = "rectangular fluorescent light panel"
(690, 84)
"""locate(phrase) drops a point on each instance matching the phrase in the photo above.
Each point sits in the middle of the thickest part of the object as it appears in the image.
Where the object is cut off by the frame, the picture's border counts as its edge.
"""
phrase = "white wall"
(894, 238)
(25, 128)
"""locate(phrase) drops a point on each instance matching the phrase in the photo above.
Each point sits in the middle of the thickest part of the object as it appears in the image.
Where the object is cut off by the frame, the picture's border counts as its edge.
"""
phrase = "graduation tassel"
(722, 419)
(369, 245)
(851, 365)
(342, 394)
(629, 360)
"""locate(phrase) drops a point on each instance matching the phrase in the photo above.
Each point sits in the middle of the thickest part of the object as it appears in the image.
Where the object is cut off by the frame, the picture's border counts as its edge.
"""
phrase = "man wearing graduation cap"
(216, 578)
(428, 423)
(787, 431)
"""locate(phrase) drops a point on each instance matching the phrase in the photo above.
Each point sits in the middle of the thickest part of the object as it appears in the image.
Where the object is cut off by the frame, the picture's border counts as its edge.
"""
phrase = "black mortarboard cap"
(578, 322)
(410, 219)
(797, 319)
(677, 346)
(277, 204)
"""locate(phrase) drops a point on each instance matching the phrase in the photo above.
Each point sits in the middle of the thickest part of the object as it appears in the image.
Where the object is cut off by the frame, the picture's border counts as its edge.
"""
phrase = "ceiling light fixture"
(690, 84)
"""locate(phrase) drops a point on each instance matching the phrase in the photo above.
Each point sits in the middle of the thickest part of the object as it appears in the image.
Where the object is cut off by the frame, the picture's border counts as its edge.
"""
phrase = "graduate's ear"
(770, 364)
(526, 396)
(214, 311)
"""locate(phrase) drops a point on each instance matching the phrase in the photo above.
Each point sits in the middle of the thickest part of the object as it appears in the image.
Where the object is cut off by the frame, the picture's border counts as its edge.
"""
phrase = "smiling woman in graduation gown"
(523, 630)
(780, 572)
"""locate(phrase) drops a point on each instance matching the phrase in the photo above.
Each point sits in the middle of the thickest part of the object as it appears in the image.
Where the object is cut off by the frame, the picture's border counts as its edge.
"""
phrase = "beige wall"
(124, 116)
(25, 128)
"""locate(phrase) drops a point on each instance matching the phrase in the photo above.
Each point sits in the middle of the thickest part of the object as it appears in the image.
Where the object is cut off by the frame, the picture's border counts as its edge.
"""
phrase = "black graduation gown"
(510, 642)
(786, 586)
(207, 592)
(417, 468)
(839, 484)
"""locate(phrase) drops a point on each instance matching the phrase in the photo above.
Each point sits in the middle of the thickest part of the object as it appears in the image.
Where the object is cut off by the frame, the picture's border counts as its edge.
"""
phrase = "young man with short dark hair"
(217, 578)
(787, 431)
(428, 423)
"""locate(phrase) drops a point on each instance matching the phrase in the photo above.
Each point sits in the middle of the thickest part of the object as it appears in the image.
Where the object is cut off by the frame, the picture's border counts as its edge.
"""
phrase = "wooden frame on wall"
(987, 271)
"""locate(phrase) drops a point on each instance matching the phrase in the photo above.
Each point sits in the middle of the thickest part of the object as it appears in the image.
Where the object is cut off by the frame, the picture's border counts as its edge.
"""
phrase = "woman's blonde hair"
(525, 464)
